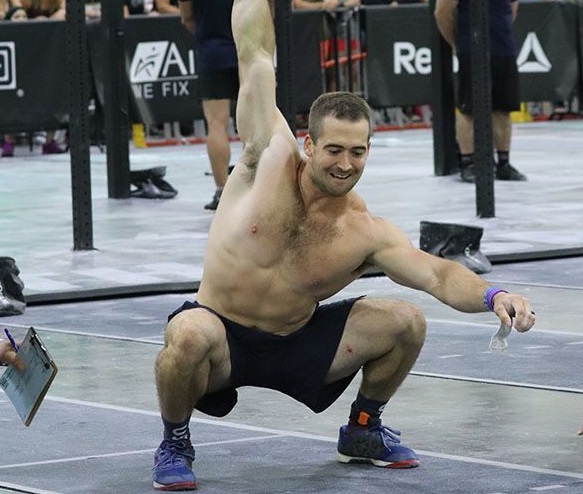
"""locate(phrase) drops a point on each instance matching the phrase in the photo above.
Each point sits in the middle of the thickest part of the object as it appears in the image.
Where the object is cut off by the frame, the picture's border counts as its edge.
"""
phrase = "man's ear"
(308, 145)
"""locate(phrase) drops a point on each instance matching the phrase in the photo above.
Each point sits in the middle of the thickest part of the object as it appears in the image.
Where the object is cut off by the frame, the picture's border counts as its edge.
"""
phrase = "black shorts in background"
(505, 92)
(219, 84)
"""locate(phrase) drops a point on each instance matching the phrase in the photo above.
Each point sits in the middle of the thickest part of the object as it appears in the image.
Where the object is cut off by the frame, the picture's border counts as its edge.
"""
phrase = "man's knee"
(192, 336)
(411, 324)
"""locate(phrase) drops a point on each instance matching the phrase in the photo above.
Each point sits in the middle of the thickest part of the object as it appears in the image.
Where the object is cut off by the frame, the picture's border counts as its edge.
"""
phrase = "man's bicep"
(257, 113)
(401, 261)
(409, 267)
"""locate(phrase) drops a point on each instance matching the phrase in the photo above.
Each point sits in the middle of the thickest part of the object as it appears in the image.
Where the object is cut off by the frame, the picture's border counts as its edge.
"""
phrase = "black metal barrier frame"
(396, 46)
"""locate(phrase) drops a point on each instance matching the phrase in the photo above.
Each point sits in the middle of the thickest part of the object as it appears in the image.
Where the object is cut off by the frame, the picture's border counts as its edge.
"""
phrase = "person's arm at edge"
(327, 5)
(514, 6)
(60, 13)
(187, 15)
(165, 7)
(303, 5)
(445, 17)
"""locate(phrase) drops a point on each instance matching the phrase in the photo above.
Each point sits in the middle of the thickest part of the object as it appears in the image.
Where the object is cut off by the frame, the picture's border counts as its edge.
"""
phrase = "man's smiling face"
(337, 159)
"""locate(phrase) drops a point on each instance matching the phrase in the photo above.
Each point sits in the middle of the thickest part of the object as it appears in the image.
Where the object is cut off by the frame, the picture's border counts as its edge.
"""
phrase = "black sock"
(466, 159)
(503, 157)
(364, 411)
(176, 432)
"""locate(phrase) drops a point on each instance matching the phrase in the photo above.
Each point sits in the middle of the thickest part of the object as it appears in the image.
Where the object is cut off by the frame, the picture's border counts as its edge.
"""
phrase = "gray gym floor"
(483, 422)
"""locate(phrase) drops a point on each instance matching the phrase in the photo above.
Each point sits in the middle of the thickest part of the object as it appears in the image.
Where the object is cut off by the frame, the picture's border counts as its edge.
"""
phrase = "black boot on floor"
(460, 243)
(505, 171)
(12, 302)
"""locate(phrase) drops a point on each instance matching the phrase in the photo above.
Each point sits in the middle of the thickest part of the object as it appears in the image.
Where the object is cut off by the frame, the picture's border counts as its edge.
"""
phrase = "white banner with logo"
(161, 69)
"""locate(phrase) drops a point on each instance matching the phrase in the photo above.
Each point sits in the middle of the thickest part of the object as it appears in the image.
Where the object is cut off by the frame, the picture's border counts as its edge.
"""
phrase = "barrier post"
(482, 106)
(79, 89)
(115, 101)
(443, 104)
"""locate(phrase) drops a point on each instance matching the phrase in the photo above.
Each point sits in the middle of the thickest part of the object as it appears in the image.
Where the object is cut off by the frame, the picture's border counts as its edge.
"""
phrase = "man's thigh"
(199, 330)
(373, 328)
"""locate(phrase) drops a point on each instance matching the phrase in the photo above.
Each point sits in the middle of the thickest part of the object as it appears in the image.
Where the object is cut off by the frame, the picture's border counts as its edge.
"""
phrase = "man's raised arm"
(258, 117)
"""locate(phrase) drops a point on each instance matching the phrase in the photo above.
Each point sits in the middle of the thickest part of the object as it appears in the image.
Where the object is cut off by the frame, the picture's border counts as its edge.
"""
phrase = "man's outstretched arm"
(258, 118)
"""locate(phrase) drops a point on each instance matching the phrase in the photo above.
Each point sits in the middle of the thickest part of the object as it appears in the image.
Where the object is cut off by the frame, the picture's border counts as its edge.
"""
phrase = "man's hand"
(8, 355)
(514, 310)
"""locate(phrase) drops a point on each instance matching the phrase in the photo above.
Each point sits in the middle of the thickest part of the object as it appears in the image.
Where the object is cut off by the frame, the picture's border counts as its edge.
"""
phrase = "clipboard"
(26, 389)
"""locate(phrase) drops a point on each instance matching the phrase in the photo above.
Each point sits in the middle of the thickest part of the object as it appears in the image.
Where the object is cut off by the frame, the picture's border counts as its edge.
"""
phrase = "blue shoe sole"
(411, 463)
(179, 486)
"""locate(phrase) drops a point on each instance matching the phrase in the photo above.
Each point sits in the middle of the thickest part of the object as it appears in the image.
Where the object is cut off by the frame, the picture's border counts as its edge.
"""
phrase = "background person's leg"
(502, 132)
(217, 114)
(465, 137)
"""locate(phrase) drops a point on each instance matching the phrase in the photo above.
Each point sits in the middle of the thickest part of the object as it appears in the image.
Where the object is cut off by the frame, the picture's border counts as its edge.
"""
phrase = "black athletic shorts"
(505, 95)
(295, 365)
(219, 84)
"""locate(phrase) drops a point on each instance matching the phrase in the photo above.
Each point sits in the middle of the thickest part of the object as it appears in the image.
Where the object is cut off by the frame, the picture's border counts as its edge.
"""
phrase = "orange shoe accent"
(363, 418)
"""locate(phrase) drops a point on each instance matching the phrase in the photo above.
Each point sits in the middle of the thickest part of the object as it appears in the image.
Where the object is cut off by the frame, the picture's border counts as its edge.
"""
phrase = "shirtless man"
(290, 232)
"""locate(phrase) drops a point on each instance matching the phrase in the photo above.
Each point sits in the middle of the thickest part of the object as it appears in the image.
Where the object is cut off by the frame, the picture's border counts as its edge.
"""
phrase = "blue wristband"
(489, 294)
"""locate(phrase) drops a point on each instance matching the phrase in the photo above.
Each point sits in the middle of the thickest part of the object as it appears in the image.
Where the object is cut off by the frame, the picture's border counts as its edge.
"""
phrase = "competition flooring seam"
(23, 489)
(513, 384)
(129, 339)
(278, 433)
(151, 451)
(149, 340)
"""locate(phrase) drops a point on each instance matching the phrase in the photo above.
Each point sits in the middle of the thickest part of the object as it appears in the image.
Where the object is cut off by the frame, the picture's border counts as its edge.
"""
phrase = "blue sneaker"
(173, 466)
(377, 445)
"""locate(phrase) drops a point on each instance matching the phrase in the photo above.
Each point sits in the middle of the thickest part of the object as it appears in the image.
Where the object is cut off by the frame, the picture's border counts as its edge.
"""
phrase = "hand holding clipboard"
(27, 387)
(8, 352)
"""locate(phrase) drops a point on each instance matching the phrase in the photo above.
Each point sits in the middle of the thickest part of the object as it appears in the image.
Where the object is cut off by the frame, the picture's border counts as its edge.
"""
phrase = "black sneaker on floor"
(468, 173)
(212, 206)
(506, 171)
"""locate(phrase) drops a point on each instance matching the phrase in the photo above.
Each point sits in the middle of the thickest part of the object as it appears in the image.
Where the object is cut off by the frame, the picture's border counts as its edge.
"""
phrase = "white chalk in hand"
(499, 339)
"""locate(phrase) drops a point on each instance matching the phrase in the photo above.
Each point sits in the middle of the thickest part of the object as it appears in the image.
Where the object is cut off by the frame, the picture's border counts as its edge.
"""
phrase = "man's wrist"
(489, 294)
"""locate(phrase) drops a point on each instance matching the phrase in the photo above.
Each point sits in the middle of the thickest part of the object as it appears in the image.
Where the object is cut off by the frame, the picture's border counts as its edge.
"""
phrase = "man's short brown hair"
(341, 105)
